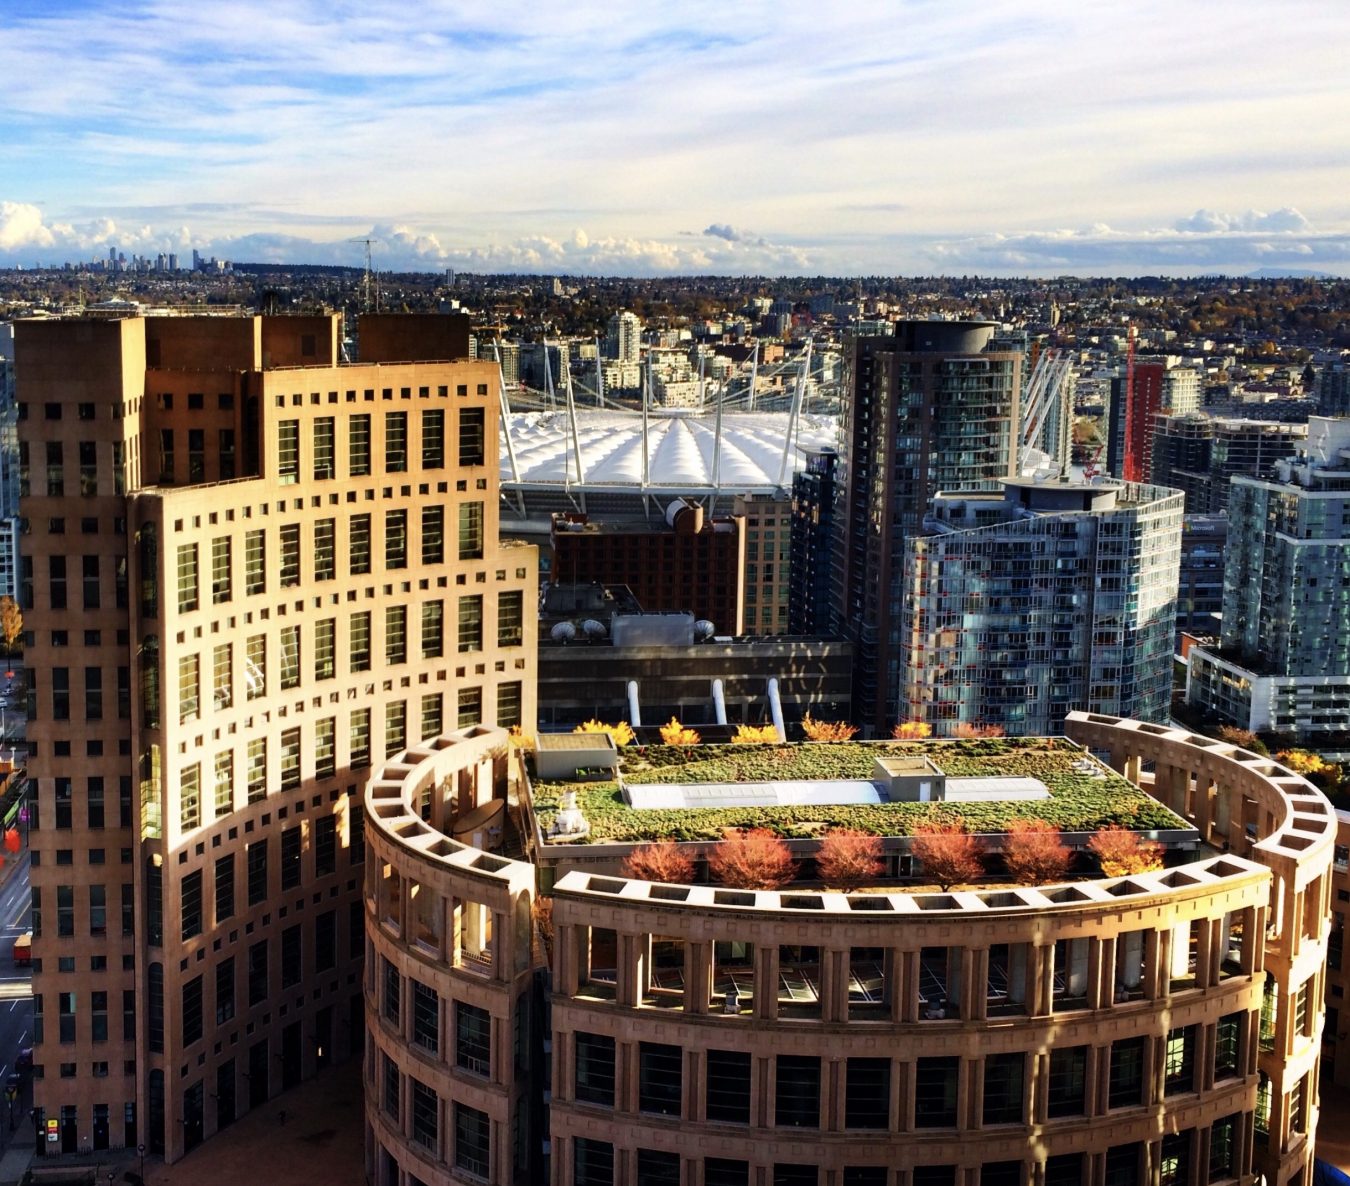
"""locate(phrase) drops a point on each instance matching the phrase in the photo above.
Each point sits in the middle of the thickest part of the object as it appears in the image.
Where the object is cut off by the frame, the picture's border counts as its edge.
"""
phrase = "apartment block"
(288, 570)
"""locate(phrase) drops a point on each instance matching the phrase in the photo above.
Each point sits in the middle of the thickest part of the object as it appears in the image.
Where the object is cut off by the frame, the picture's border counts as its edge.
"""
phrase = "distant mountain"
(1291, 274)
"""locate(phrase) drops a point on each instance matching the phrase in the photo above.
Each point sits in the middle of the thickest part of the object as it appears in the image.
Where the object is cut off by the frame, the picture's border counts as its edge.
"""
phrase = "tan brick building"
(288, 569)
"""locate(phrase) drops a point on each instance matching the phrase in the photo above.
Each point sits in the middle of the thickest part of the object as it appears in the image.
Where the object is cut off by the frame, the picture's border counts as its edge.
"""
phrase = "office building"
(1283, 663)
(1028, 601)
(768, 560)
(1160, 1027)
(251, 572)
(1200, 592)
(932, 407)
(1199, 455)
(623, 340)
(812, 543)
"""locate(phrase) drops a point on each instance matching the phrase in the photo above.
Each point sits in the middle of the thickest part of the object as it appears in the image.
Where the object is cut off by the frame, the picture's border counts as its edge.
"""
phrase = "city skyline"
(1042, 138)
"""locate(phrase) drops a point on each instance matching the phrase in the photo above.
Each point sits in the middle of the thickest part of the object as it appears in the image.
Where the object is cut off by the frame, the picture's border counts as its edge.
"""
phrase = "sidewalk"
(320, 1142)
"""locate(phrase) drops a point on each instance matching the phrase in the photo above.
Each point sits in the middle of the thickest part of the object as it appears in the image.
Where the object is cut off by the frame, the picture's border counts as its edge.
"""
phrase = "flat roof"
(648, 796)
(564, 741)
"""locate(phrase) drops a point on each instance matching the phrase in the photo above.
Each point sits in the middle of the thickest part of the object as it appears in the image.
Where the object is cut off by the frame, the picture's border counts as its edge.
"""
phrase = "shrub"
(622, 732)
(948, 853)
(1121, 852)
(752, 859)
(1034, 853)
(755, 735)
(827, 730)
(519, 739)
(674, 733)
(662, 861)
(965, 729)
(1316, 769)
(1243, 738)
(912, 730)
(848, 858)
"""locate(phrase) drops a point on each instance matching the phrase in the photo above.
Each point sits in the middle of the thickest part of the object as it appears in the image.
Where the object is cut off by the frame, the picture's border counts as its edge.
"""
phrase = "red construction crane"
(1130, 468)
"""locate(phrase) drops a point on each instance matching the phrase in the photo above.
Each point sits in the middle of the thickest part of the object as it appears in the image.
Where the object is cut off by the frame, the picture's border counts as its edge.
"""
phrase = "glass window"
(471, 1140)
(191, 904)
(255, 562)
(426, 1112)
(358, 445)
(325, 747)
(592, 1162)
(433, 629)
(433, 439)
(325, 646)
(426, 1027)
(594, 1069)
(472, 436)
(510, 618)
(325, 550)
(433, 535)
(190, 798)
(1068, 1081)
(187, 578)
(726, 1171)
(470, 708)
(935, 1092)
(1179, 1061)
(324, 466)
(290, 555)
(728, 1086)
(192, 1011)
(257, 872)
(396, 442)
(358, 643)
(1127, 1073)
(470, 624)
(395, 728)
(1003, 1078)
(290, 759)
(288, 451)
(222, 797)
(189, 687)
(471, 531)
(359, 738)
(508, 704)
(221, 570)
(292, 955)
(657, 1168)
(290, 656)
(1227, 1050)
(222, 675)
(473, 1038)
(395, 634)
(225, 990)
(660, 1078)
(224, 887)
(255, 666)
(360, 544)
(431, 716)
(797, 1092)
(867, 1093)
(256, 779)
(396, 539)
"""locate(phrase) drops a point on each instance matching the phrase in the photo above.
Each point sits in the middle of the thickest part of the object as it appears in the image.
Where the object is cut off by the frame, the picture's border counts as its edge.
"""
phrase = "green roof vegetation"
(1078, 802)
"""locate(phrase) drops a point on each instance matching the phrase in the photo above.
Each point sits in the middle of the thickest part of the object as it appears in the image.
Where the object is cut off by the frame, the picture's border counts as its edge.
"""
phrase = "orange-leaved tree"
(622, 732)
(849, 858)
(912, 730)
(1034, 852)
(752, 859)
(674, 733)
(1243, 738)
(948, 853)
(755, 735)
(662, 861)
(11, 622)
(1121, 852)
(968, 730)
(827, 730)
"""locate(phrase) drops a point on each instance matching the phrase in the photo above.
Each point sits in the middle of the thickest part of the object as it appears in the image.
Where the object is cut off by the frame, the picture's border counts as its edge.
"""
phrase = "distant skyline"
(1030, 137)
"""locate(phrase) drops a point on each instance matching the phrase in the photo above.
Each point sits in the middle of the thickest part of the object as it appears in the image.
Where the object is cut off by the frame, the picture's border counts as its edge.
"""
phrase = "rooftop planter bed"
(1078, 802)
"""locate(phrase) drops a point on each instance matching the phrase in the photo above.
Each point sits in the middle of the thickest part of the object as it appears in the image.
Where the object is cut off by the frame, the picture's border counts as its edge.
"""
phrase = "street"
(16, 1000)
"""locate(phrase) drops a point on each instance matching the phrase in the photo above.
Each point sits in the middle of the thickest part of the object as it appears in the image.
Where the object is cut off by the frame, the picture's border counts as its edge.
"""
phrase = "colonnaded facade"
(1161, 1028)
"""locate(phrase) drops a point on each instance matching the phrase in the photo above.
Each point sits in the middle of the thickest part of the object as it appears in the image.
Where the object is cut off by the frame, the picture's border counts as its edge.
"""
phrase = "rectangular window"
(257, 872)
(594, 1069)
(797, 1088)
(433, 535)
(1228, 1046)
(358, 644)
(325, 941)
(1068, 1081)
(292, 956)
(391, 993)
(396, 442)
(1127, 1073)
(290, 656)
(508, 704)
(255, 666)
(290, 759)
(431, 716)
(222, 675)
(1003, 1080)
(325, 845)
(433, 439)
(225, 990)
(660, 1078)
(395, 728)
(867, 1093)
(1223, 1148)
(290, 555)
(257, 973)
(396, 539)
(225, 445)
(196, 455)
(1179, 1061)
(470, 708)
(93, 693)
(56, 582)
(190, 798)
(728, 1082)
(255, 562)
(470, 623)
(471, 1140)
(593, 1163)
(395, 634)
(189, 685)
(935, 1092)
(98, 909)
(472, 436)
(426, 1019)
(510, 618)
(256, 779)
(656, 1168)
(192, 1011)
(325, 648)
(224, 887)
(288, 451)
(94, 804)
(89, 571)
(359, 530)
(359, 738)
(358, 445)
(191, 904)
(323, 447)
(56, 479)
(187, 578)
(221, 569)
(60, 693)
(390, 1087)
(325, 747)
(325, 550)
(471, 531)
(473, 1038)
(433, 629)
(88, 469)
(426, 1112)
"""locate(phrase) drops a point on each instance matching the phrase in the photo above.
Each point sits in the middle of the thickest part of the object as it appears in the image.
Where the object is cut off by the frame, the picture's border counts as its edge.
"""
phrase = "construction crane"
(1130, 468)
(365, 299)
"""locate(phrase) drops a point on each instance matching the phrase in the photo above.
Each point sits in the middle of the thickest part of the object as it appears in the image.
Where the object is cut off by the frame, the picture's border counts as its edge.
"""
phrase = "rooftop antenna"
(365, 297)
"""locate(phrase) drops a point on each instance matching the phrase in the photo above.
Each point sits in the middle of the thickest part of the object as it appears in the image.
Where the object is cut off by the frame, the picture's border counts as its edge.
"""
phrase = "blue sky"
(915, 136)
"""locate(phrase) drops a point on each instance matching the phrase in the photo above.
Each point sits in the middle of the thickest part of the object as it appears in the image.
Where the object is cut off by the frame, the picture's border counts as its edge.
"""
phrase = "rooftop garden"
(1078, 802)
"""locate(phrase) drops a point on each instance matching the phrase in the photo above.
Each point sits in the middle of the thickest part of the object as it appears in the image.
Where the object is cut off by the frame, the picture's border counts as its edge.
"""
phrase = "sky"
(1006, 137)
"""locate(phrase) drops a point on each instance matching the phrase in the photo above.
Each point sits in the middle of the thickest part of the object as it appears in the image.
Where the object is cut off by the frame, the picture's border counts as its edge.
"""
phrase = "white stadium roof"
(681, 447)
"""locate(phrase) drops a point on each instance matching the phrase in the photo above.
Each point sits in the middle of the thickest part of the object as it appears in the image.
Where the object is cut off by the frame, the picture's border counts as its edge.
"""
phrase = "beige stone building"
(288, 571)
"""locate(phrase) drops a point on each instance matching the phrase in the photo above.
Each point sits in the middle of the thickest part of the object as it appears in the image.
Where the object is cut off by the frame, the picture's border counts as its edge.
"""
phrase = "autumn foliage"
(912, 730)
(11, 622)
(1242, 738)
(948, 853)
(1034, 852)
(622, 732)
(849, 858)
(674, 733)
(662, 861)
(755, 735)
(827, 730)
(1121, 852)
(752, 859)
(967, 730)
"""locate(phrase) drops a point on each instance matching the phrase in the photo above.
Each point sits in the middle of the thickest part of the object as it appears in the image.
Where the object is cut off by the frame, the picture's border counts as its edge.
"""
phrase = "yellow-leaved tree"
(622, 732)
(755, 735)
(674, 733)
(912, 731)
(827, 730)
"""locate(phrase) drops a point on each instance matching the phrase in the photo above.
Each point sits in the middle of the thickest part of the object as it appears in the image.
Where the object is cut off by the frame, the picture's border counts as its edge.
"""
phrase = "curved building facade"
(1160, 1028)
